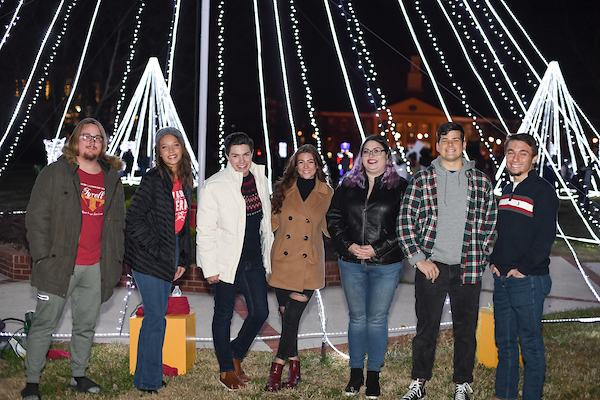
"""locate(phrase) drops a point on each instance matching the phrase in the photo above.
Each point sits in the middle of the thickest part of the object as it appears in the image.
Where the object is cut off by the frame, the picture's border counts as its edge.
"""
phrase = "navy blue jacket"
(526, 227)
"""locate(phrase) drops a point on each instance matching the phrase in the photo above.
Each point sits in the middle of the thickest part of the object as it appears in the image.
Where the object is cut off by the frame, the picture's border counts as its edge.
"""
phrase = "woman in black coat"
(157, 247)
(362, 223)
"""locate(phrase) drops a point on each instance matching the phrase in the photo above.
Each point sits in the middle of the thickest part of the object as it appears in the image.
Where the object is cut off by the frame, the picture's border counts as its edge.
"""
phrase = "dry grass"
(573, 351)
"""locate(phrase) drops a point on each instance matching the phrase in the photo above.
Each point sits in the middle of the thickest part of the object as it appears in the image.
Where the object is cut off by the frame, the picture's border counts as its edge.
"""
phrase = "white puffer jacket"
(221, 222)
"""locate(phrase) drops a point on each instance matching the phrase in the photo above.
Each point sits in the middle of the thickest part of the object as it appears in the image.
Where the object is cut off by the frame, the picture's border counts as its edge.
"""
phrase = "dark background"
(567, 31)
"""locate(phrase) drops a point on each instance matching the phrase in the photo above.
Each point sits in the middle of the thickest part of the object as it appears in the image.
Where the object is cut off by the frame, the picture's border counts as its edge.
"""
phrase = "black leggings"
(288, 344)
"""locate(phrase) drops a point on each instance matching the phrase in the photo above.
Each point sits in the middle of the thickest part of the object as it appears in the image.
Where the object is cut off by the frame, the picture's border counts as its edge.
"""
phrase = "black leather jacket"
(352, 218)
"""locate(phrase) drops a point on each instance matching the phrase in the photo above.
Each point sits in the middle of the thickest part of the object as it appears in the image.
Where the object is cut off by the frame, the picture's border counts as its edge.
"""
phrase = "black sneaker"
(84, 385)
(373, 390)
(31, 392)
(416, 390)
(460, 391)
(356, 381)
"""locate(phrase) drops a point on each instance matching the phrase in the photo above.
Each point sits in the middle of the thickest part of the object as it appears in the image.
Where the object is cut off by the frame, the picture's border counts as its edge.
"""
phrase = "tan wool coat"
(298, 255)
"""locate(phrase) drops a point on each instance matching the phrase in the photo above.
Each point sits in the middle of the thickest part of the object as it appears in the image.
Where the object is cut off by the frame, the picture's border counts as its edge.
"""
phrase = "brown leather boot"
(237, 364)
(231, 381)
(274, 382)
(293, 375)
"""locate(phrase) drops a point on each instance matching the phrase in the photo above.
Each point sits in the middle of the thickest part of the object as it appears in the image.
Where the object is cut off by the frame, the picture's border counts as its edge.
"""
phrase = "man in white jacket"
(234, 238)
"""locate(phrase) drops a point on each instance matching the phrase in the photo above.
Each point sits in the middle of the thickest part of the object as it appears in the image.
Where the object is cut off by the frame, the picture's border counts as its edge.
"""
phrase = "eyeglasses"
(376, 152)
(88, 138)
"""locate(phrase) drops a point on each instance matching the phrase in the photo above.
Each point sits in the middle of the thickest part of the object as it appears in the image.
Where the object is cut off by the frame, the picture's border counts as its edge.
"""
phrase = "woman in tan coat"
(300, 201)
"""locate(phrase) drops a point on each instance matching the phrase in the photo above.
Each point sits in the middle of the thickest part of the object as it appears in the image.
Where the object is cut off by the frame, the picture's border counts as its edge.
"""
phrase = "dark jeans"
(464, 302)
(250, 278)
(290, 321)
(518, 306)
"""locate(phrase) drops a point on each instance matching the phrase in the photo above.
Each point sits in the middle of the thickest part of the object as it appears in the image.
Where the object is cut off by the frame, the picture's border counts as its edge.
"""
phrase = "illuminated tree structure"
(150, 109)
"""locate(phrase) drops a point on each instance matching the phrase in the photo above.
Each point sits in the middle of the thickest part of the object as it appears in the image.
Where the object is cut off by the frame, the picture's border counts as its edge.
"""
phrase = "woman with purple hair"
(362, 223)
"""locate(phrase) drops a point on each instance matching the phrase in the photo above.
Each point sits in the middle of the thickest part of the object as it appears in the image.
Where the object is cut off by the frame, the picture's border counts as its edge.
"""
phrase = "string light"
(304, 78)
(40, 82)
(172, 40)
(132, 50)
(79, 68)
(367, 67)
(263, 97)
(220, 76)
(13, 22)
(338, 52)
(286, 88)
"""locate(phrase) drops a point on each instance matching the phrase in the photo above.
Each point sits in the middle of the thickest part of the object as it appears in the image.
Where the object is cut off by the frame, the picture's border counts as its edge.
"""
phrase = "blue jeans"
(518, 306)
(155, 298)
(429, 304)
(250, 278)
(369, 291)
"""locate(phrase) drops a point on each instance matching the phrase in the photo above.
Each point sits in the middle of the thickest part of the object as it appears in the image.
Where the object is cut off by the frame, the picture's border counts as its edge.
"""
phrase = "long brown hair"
(290, 175)
(71, 148)
(184, 168)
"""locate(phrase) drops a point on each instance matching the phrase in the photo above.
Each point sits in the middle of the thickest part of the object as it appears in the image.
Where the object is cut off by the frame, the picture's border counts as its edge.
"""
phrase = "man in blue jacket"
(526, 230)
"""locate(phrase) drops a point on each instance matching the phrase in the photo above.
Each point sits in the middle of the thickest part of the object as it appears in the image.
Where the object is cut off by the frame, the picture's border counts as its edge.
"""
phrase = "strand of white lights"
(461, 93)
(12, 23)
(344, 72)
(585, 277)
(220, 72)
(40, 82)
(304, 78)
(130, 285)
(451, 23)
(132, 49)
(516, 21)
(263, 96)
(286, 87)
(367, 66)
(499, 63)
(424, 59)
(79, 68)
(173, 40)
(323, 324)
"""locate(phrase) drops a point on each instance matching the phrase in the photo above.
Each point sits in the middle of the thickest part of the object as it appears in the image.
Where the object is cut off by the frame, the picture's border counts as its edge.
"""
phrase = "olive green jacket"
(53, 224)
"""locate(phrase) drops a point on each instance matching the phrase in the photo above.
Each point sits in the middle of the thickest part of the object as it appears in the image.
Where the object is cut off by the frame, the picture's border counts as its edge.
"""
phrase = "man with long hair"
(75, 221)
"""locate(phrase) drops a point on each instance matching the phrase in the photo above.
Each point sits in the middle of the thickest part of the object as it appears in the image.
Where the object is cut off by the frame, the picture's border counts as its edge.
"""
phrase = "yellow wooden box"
(179, 348)
(487, 352)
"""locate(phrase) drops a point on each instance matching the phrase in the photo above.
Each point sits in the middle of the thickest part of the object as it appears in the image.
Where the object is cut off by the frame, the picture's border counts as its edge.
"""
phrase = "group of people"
(443, 223)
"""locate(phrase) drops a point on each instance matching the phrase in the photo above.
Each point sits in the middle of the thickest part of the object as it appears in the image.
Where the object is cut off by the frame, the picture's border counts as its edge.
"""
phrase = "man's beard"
(89, 156)
(515, 173)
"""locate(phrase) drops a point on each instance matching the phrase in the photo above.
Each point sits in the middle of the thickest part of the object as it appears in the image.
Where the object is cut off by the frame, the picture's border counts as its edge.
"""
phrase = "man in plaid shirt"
(445, 228)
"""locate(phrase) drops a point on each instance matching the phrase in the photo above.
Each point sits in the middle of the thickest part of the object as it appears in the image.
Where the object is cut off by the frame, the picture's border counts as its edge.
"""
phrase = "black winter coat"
(354, 219)
(150, 229)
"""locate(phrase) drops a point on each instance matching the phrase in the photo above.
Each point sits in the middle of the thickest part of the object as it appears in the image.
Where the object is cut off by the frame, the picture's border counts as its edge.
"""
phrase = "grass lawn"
(573, 371)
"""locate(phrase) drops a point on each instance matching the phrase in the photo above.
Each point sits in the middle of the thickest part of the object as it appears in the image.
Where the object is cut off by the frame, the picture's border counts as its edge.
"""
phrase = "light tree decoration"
(150, 109)
(553, 120)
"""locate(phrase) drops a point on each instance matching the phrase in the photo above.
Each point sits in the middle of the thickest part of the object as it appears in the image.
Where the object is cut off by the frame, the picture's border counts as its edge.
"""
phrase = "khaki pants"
(84, 291)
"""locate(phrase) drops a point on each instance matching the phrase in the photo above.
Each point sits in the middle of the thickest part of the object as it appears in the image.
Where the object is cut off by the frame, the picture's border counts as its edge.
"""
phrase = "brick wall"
(17, 265)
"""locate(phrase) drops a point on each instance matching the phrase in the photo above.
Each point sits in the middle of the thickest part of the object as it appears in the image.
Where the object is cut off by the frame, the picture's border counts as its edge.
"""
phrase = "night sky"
(567, 31)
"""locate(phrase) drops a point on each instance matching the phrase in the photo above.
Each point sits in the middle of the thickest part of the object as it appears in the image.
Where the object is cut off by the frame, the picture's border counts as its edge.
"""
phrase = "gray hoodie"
(452, 212)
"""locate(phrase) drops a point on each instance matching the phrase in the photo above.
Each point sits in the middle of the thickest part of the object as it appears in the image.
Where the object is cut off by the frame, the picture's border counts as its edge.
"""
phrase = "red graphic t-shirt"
(180, 205)
(92, 217)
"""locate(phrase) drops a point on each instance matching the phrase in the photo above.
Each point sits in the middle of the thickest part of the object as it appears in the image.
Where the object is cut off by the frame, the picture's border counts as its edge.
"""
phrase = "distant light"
(78, 109)
(498, 142)
(595, 140)
(420, 136)
(299, 133)
(283, 149)
(258, 152)
(491, 139)
(329, 154)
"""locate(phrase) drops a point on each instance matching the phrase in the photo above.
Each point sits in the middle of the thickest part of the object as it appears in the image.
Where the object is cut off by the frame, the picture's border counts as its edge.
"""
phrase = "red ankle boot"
(293, 375)
(274, 382)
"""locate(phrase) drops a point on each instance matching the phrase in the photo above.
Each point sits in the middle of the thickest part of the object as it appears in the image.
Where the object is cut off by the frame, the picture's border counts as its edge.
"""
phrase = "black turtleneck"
(305, 186)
